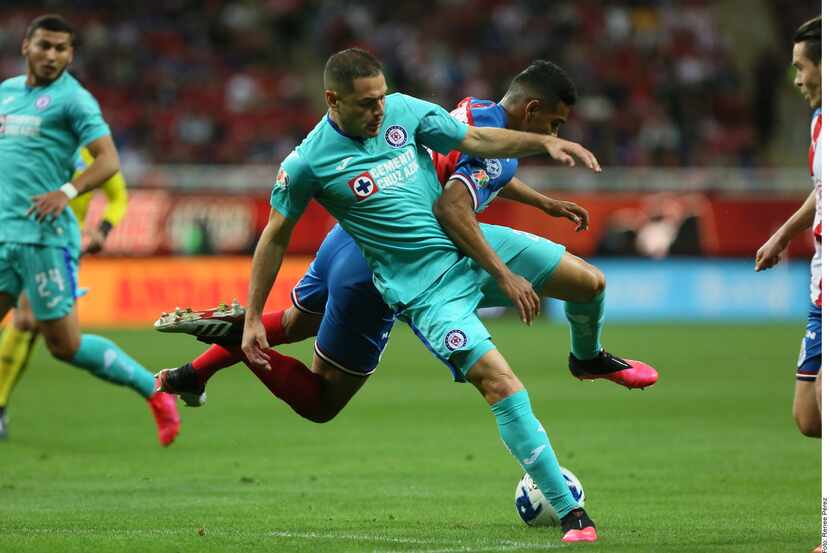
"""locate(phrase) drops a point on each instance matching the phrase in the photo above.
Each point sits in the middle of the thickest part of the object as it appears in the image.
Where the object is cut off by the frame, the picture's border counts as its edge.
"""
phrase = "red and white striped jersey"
(815, 172)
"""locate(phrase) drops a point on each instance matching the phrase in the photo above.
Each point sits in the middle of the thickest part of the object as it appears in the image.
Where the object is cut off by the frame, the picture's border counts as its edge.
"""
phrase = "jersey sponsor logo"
(480, 178)
(43, 102)
(493, 168)
(363, 186)
(282, 179)
(455, 339)
(396, 136)
(21, 125)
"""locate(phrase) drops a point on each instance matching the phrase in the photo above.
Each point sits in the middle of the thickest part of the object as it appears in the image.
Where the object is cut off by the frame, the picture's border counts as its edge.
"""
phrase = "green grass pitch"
(708, 460)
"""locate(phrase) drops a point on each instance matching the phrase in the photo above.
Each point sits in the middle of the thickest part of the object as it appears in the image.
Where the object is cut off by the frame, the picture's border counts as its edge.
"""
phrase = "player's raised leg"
(582, 287)
(189, 380)
(527, 440)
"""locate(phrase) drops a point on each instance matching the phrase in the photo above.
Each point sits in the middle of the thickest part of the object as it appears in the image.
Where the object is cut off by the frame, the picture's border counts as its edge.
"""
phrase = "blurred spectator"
(238, 81)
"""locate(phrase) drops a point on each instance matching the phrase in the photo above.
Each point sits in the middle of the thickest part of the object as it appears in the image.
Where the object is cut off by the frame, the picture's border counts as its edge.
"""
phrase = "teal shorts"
(444, 316)
(48, 274)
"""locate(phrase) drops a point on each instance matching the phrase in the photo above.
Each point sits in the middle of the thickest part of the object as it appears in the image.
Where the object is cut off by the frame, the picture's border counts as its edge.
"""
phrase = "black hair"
(51, 22)
(347, 65)
(544, 80)
(810, 34)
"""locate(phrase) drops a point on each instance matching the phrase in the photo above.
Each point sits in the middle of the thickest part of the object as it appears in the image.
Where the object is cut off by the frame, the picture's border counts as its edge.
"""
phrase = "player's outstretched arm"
(518, 191)
(105, 165)
(769, 255)
(268, 255)
(499, 143)
(454, 210)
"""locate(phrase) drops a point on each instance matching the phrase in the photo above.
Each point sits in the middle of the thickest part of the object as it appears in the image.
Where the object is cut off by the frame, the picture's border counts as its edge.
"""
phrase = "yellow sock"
(15, 346)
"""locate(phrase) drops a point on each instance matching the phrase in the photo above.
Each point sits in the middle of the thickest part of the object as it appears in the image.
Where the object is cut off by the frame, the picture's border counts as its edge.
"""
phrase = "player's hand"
(255, 343)
(94, 241)
(564, 151)
(523, 296)
(46, 205)
(569, 210)
(769, 255)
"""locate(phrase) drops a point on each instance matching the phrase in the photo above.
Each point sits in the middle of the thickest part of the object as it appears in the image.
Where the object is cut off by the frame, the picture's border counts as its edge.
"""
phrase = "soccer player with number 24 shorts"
(45, 117)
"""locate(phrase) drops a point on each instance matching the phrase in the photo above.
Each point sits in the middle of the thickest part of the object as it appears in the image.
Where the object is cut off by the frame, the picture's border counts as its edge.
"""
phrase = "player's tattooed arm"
(499, 143)
(268, 256)
(769, 255)
(518, 191)
(105, 165)
(454, 210)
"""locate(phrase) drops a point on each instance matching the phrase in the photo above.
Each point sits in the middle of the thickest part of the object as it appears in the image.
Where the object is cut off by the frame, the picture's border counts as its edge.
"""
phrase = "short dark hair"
(544, 80)
(51, 22)
(810, 34)
(347, 65)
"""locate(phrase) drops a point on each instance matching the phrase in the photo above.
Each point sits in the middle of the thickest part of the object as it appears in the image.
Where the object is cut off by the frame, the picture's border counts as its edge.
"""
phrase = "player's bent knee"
(62, 348)
(808, 424)
(809, 427)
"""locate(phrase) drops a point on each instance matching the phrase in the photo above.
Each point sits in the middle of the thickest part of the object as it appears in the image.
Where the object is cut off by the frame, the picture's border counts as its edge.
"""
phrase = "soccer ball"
(532, 506)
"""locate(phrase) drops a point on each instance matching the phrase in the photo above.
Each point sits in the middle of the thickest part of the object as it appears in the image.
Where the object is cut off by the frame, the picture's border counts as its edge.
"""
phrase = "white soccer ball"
(532, 506)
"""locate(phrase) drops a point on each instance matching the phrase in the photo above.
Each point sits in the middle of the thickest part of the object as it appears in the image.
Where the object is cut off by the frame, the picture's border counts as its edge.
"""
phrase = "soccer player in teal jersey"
(368, 164)
(45, 117)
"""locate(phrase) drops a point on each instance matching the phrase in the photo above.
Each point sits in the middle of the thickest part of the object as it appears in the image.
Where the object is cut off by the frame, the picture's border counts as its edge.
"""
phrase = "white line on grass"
(458, 546)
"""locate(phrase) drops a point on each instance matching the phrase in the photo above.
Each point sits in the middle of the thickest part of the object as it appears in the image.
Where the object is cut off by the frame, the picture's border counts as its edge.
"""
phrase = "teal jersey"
(381, 190)
(41, 130)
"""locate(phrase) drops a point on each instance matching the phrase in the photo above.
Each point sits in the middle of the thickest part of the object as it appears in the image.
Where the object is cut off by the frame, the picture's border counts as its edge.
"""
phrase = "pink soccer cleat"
(167, 416)
(578, 526)
(625, 372)
(586, 534)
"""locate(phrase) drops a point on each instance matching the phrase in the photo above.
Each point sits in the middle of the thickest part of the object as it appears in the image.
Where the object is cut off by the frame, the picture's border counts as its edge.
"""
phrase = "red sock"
(218, 357)
(293, 382)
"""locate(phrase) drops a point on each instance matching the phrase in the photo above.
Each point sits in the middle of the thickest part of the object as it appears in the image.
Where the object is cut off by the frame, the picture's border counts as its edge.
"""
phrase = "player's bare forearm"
(454, 210)
(267, 260)
(801, 220)
(104, 166)
(771, 253)
(501, 143)
(518, 191)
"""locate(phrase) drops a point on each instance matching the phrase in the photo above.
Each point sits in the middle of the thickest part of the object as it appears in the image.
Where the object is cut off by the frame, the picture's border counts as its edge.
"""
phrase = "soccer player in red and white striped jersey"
(807, 400)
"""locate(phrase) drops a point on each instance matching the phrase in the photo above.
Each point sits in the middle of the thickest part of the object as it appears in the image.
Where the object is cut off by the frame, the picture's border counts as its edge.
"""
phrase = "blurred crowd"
(240, 81)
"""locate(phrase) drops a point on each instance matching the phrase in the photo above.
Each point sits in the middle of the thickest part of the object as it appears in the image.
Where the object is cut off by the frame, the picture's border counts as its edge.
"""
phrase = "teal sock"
(586, 321)
(527, 441)
(107, 361)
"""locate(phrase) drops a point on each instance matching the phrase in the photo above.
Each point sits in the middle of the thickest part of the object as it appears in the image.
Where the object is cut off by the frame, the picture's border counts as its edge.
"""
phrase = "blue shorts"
(356, 322)
(48, 274)
(809, 359)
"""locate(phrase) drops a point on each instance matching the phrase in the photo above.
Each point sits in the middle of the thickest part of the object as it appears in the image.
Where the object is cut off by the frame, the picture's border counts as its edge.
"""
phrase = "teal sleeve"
(437, 129)
(294, 187)
(86, 119)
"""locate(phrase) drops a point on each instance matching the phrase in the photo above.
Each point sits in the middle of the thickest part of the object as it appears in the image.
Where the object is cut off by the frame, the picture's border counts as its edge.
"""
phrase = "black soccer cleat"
(578, 526)
(183, 382)
(625, 372)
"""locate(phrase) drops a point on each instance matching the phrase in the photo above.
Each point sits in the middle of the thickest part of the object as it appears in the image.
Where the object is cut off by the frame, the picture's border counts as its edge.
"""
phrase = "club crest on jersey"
(396, 136)
(455, 339)
(282, 179)
(43, 102)
(363, 186)
(480, 178)
(493, 168)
